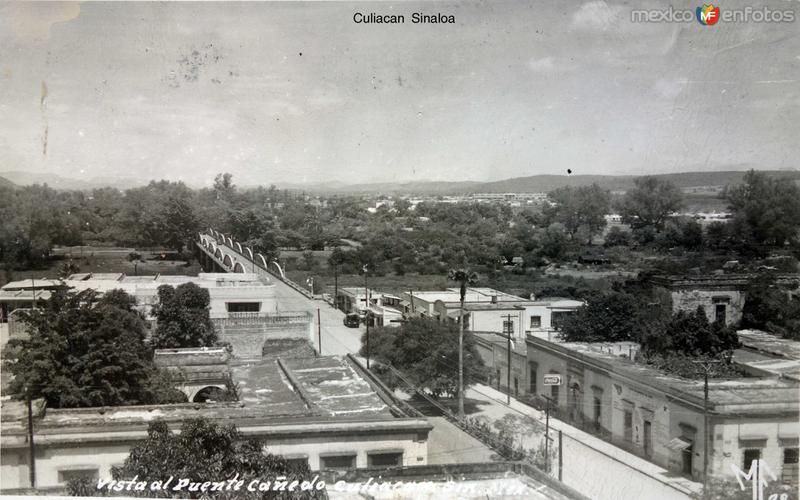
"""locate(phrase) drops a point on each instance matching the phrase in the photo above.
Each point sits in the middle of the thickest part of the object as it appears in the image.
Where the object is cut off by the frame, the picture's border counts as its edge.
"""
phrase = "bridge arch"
(227, 260)
(280, 269)
(218, 253)
(238, 268)
(239, 246)
(249, 252)
(230, 241)
(208, 393)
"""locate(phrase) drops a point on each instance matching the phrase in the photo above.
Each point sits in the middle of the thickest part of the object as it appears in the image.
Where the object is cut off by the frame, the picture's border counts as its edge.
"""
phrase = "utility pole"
(319, 333)
(707, 442)
(560, 455)
(336, 286)
(461, 357)
(31, 447)
(507, 328)
(366, 310)
(547, 434)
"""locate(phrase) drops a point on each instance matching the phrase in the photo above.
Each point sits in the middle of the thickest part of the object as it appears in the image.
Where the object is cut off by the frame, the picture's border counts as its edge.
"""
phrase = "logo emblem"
(708, 15)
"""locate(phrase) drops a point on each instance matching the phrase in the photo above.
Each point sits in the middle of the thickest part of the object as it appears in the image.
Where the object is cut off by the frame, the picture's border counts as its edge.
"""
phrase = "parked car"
(352, 320)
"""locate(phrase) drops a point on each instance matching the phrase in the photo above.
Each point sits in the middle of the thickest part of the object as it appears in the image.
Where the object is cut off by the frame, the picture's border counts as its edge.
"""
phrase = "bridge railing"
(258, 267)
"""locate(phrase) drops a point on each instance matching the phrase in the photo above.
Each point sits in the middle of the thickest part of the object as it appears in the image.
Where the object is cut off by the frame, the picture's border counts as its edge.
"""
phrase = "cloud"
(596, 16)
(31, 21)
(670, 89)
(543, 65)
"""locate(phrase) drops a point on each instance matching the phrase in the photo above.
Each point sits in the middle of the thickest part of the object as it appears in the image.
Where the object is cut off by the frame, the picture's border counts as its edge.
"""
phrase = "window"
(385, 459)
(750, 454)
(65, 476)
(338, 462)
(789, 476)
(236, 307)
(598, 411)
(629, 425)
(536, 321)
(532, 380)
(508, 326)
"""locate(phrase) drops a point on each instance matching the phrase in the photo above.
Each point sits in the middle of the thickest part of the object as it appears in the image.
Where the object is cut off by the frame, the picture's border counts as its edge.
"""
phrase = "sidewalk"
(633, 465)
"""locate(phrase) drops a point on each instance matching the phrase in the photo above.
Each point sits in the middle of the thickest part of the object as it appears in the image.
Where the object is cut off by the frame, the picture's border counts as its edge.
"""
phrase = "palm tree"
(464, 277)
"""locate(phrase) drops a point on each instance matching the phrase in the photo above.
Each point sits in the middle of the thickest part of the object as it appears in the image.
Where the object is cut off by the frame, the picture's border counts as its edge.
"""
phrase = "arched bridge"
(224, 253)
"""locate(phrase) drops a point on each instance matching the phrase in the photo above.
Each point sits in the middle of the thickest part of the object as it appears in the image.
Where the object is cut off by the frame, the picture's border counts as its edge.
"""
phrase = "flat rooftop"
(716, 281)
(104, 282)
(323, 392)
(472, 295)
(769, 353)
(730, 396)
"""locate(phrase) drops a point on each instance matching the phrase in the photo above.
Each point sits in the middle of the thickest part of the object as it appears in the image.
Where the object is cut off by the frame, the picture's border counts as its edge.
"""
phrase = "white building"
(232, 294)
(489, 310)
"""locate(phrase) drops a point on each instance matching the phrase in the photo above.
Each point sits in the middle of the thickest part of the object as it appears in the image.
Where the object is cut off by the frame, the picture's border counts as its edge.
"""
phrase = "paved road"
(336, 338)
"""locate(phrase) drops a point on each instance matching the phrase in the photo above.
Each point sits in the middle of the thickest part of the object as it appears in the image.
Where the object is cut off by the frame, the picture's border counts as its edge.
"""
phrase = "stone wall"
(247, 338)
(689, 300)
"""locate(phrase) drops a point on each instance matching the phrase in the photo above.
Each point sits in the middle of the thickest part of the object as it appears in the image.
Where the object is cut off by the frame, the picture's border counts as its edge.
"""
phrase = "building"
(243, 307)
(232, 295)
(327, 411)
(722, 296)
(489, 310)
(384, 309)
(661, 417)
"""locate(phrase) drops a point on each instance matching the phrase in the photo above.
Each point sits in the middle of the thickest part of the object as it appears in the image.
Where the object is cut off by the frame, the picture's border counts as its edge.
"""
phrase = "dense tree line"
(396, 239)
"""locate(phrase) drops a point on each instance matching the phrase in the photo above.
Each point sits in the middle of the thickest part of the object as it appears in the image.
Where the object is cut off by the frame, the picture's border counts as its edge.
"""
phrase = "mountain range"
(530, 184)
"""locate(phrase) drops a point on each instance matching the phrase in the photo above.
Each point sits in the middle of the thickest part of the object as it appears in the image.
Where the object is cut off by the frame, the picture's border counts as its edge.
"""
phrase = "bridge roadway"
(336, 338)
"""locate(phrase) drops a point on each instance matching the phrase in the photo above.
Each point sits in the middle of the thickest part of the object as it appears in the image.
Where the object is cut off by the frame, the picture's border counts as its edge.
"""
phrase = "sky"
(291, 92)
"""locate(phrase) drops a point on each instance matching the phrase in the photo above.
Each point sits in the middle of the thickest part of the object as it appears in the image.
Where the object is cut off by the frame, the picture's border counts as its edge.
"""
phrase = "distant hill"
(539, 183)
(545, 183)
(531, 184)
(6, 183)
(56, 181)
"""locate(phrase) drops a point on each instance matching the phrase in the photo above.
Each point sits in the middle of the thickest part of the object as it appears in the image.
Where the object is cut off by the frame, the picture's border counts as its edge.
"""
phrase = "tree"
(582, 208)
(650, 203)
(224, 188)
(689, 334)
(84, 350)
(182, 317)
(770, 307)
(554, 244)
(617, 237)
(766, 210)
(426, 352)
(206, 451)
(610, 317)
